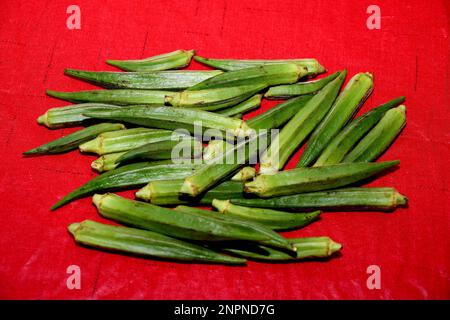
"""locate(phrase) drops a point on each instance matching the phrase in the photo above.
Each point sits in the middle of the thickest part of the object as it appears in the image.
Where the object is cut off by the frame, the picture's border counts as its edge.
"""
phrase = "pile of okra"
(151, 107)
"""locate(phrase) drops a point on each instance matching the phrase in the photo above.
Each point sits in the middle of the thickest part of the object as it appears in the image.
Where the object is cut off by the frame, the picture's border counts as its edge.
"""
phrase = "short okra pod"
(380, 137)
(155, 80)
(303, 180)
(291, 90)
(379, 199)
(346, 105)
(273, 219)
(73, 140)
(172, 60)
(144, 243)
(344, 141)
(243, 107)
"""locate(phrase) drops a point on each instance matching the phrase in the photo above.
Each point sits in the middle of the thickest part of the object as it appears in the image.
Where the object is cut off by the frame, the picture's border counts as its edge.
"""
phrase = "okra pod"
(124, 140)
(291, 90)
(313, 66)
(346, 105)
(171, 60)
(243, 107)
(380, 137)
(71, 115)
(129, 176)
(73, 140)
(155, 80)
(175, 118)
(377, 199)
(245, 174)
(273, 219)
(167, 192)
(307, 248)
(115, 96)
(106, 162)
(303, 180)
(273, 238)
(268, 75)
(183, 225)
(144, 243)
(344, 141)
(300, 126)
(215, 148)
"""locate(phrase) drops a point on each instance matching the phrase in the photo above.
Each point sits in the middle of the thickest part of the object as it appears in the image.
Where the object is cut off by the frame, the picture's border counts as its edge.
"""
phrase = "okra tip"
(97, 199)
(333, 247)
(98, 164)
(73, 227)
(221, 205)
(43, 119)
(400, 199)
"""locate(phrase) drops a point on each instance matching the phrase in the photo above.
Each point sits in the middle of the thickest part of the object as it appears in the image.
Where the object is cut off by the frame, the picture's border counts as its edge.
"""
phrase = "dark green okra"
(144, 243)
(302, 180)
(129, 176)
(73, 140)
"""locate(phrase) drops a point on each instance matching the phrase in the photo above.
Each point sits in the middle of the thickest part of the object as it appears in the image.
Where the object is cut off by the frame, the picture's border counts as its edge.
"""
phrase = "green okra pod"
(116, 96)
(106, 162)
(313, 66)
(167, 192)
(344, 141)
(307, 248)
(273, 219)
(273, 239)
(346, 105)
(73, 140)
(144, 243)
(379, 199)
(303, 180)
(268, 75)
(291, 90)
(300, 126)
(380, 137)
(171, 60)
(183, 225)
(175, 118)
(124, 140)
(243, 107)
(129, 176)
(71, 115)
(245, 174)
(154, 80)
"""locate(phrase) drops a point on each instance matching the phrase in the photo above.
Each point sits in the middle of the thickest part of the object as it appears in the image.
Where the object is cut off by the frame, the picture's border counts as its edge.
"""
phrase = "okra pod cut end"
(257, 186)
(73, 227)
(189, 188)
(43, 119)
(333, 247)
(97, 199)
(144, 193)
(244, 174)
(93, 145)
(221, 205)
(399, 199)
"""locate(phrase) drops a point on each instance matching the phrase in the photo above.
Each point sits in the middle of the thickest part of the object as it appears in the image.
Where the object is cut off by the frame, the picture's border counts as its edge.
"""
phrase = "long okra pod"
(156, 80)
(380, 137)
(106, 162)
(346, 105)
(302, 180)
(172, 60)
(379, 199)
(73, 140)
(291, 90)
(143, 242)
(300, 126)
(243, 107)
(129, 176)
(273, 219)
(352, 133)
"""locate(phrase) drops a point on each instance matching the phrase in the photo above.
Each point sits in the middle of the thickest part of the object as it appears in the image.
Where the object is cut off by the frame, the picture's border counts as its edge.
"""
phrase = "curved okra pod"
(346, 105)
(129, 176)
(172, 60)
(313, 66)
(73, 140)
(106, 162)
(144, 243)
(175, 118)
(291, 90)
(307, 248)
(184, 225)
(166, 192)
(273, 219)
(380, 137)
(380, 199)
(268, 75)
(115, 96)
(273, 239)
(154, 80)
(300, 126)
(352, 133)
(243, 107)
(303, 180)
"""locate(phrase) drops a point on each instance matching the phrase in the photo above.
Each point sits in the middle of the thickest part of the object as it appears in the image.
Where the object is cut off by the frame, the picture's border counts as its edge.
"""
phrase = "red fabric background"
(408, 56)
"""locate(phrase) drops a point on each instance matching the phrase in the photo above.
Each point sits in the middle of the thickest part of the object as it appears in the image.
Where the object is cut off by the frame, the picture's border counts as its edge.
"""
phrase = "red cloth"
(408, 56)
